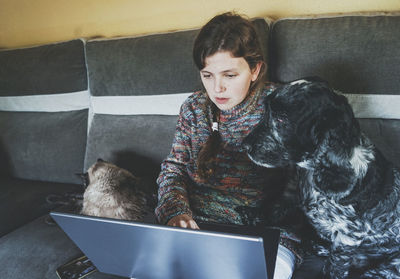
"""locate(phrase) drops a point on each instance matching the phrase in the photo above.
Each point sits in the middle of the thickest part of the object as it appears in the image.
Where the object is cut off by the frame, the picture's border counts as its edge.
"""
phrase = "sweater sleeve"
(173, 179)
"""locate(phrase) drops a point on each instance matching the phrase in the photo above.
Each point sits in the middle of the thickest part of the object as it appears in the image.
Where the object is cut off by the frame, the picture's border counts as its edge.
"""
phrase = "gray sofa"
(64, 105)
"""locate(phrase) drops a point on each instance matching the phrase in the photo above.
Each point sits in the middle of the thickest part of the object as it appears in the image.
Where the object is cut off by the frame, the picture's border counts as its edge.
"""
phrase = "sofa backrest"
(137, 86)
(43, 112)
(358, 55)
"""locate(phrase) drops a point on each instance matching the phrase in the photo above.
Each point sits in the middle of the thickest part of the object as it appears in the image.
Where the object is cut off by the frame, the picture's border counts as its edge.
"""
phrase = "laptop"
(151, 251)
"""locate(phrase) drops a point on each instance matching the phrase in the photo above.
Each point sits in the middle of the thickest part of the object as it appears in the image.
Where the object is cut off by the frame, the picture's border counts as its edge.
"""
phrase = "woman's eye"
(206, 76)
(230, 75)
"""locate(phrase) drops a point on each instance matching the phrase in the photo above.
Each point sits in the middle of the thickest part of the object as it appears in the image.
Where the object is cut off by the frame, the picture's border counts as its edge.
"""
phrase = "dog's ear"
(332, 119)
(340, 126)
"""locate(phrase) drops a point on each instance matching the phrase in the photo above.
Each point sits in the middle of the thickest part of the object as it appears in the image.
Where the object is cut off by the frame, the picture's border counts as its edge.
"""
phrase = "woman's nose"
(219, 86)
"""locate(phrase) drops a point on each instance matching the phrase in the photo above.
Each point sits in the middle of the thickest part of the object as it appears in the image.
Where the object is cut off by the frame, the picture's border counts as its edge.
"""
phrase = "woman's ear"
(256, 71)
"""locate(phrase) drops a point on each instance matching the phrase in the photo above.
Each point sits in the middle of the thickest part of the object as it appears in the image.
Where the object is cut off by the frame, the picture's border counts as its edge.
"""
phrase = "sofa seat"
(36, 249)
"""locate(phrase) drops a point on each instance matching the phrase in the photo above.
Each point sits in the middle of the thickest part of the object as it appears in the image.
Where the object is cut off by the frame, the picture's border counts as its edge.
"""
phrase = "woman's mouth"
(221, 100)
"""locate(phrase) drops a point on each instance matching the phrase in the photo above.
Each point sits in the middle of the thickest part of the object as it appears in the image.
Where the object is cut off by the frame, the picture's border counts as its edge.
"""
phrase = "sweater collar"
(246, 106)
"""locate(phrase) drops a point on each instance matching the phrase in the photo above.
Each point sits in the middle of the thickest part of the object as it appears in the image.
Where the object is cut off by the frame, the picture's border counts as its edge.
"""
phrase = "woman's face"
(227, 79)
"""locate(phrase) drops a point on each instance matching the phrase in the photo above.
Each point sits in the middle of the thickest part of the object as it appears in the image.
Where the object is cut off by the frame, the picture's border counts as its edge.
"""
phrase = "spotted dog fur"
(348, 190)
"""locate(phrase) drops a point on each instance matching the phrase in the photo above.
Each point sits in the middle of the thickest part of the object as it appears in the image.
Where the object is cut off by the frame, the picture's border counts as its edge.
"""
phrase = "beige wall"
(32, 22)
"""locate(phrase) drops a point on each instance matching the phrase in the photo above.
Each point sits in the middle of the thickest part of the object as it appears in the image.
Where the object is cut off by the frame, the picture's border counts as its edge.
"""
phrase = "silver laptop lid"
(139, 250)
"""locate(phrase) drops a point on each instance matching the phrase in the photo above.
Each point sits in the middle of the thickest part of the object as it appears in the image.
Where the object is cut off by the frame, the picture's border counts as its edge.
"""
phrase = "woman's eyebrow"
(224, 71)
(230, 70)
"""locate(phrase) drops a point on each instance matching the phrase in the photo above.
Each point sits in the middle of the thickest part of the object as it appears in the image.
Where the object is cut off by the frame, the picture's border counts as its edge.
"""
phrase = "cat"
(114, 192)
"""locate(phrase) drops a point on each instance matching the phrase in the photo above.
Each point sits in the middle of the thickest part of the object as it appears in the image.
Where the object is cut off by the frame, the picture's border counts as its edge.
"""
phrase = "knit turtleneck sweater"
(237, 188)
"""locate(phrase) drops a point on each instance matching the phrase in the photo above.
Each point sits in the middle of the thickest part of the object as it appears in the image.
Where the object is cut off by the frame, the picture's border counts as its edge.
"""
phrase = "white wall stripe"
(168, 104)
(46, 103)
(375, 106)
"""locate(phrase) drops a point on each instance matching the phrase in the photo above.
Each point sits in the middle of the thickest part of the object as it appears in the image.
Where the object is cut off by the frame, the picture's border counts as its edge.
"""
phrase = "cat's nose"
(85, 179)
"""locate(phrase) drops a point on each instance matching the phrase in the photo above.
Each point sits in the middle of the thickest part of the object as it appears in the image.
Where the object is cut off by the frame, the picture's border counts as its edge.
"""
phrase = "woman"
(208, 176)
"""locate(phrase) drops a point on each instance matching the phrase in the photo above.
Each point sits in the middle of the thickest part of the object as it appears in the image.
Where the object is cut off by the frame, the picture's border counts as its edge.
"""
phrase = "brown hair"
(237, 35)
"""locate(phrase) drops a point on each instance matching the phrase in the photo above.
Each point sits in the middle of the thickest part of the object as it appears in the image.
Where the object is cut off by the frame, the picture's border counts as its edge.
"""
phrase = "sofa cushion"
(148, 65)
(22, 201)
(356, 54)
(46, 69)
(43, 111)
(47, 146)
(137, 86)
(137, 143)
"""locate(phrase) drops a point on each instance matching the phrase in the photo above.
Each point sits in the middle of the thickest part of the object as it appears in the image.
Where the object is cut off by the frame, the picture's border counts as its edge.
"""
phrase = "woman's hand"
(183, 221)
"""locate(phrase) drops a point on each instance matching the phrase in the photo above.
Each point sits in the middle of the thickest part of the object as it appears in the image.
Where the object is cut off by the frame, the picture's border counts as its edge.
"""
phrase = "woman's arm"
(173, 180)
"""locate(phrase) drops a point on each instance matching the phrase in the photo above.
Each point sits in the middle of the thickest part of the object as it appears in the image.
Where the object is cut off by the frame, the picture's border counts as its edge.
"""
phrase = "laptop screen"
(139, 250)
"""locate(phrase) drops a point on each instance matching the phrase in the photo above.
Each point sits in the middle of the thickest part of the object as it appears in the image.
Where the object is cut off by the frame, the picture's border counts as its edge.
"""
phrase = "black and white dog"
(348, 190)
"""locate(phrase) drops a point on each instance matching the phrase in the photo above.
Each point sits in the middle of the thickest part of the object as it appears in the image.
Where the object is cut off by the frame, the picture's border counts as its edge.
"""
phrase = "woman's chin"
(223, 105)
